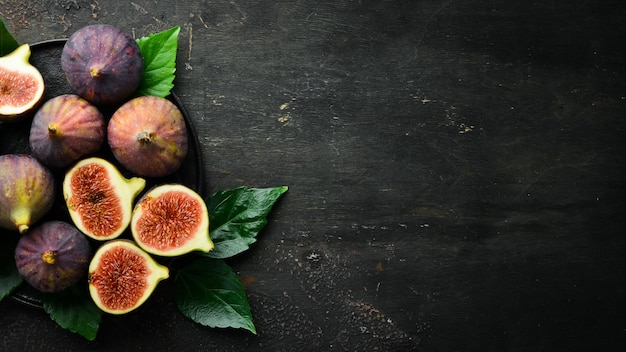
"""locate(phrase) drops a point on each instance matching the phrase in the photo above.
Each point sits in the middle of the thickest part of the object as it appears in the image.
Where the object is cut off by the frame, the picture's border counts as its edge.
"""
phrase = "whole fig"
(148, 136)
(21, 85)
(64, 129)
(102, 63)
(53, 256)
(27, 190)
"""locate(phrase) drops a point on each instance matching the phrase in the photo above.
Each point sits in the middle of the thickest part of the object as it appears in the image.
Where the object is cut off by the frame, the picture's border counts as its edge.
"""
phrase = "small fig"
(102, 64)
(99, 198)
(26, 191)
(171, 220)
(64, 129)
(53, 256)
(21, 85)
(122, 276)
(148, 136)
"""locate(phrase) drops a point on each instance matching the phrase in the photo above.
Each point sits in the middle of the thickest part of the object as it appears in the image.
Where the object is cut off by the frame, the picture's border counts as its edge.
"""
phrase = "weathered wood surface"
(456, 171)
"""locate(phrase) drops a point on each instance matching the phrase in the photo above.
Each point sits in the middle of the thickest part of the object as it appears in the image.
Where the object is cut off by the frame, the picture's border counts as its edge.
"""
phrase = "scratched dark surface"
(456, 171)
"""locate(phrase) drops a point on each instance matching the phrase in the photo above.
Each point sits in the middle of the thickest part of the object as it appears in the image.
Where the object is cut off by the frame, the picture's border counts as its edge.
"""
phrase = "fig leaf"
(237, 216)
(208, 292)
(9, 276)
(73, 309)
(159, 62)
(7, 42)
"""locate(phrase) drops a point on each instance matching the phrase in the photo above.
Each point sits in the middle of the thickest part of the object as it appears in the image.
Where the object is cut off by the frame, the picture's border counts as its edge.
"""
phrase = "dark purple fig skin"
(70, 249)
(148, 136)
(102, 64)
(64, 129)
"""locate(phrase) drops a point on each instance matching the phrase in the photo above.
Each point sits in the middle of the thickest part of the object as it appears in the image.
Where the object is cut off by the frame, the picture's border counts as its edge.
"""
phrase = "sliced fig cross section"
(99, 198)
(21, 85)
(171, 220)
(122, 276)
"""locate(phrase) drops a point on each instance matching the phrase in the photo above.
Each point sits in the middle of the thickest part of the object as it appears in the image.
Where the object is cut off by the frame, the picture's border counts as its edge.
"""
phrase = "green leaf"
(74, 310)
(7, 42)
(237, 216)
(159, 62)
(209, 293)
(10, 278)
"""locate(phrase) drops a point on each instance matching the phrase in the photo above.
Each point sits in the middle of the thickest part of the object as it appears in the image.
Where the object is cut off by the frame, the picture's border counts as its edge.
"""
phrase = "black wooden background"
(456, 171)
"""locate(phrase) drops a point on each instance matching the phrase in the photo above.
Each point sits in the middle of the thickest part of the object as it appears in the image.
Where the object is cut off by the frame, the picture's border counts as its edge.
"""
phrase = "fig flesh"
(64, 129)
(171, 220)
(148, 136)
(21, 85)
(53, 256)
(99, 198)
(27, 190)
(102, 64)
(122, 276)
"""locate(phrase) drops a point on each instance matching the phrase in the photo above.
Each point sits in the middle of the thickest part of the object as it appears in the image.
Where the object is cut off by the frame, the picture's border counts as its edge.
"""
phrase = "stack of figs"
(145, 135)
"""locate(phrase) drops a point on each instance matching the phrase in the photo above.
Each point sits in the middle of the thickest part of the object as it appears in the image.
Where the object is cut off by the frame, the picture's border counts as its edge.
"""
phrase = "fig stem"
(49, 257)
(23, 228)
(94, 72)
(145, 137)
(53, 129)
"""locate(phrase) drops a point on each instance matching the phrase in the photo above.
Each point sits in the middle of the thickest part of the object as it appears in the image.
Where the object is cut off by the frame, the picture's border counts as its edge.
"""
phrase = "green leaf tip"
(10, 277)
(236, 217)
(159, 60)
(7, 42)
(208, 292)
(73, 309)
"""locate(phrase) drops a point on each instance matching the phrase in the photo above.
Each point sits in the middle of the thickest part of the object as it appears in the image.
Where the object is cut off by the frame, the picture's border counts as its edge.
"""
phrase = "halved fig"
(99, 198)
(53, 256)
(27, 190)
(21, 85)
(171, 220)
(122, 276)
(66, 128)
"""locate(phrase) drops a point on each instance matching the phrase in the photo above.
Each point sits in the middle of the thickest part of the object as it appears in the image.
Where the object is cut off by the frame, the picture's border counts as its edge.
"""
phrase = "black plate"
(46, 56)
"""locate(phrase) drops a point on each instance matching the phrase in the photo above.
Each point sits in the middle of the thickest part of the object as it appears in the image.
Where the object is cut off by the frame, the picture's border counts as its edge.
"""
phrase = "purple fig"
(148, 136)
(26, 191)
(102, 64)
(64, 129)
(53, 256)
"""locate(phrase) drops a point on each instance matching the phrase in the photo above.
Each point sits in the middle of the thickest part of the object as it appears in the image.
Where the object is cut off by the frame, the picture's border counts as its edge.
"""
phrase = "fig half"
(53, 256)
(26, 191)
(148, 136)
(21, 85)
(99, 198)
(122, 276)
(64, 129)
(171, 220)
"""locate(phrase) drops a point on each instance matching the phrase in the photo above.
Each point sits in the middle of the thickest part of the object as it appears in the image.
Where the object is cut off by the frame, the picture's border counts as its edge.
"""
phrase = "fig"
(99, 198)
(122, 276)
(21, 85)
(148, 136)
(102, 64)
(53, 256)
(26, 191)
(171, 220)
(65, 129)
